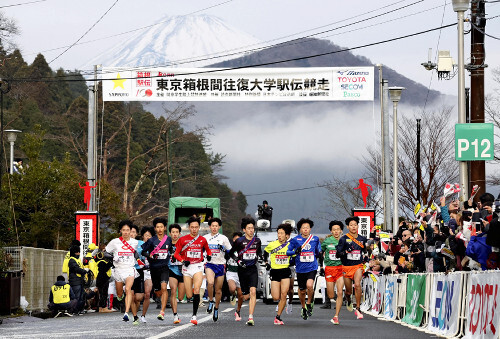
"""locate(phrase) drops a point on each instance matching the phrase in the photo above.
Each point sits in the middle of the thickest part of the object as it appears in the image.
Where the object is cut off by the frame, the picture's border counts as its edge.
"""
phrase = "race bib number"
(354, 255)
(162, 254)
(194, 254)
(332, 255)
(124, 257)
(250, 255)
(281, 260)
(306, 257)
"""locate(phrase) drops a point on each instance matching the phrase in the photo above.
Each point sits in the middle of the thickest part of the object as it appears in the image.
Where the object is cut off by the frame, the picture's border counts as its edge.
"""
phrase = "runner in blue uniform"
(306, 247)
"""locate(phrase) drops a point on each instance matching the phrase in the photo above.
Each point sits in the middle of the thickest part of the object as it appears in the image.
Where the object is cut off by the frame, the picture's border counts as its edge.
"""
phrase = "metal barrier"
(40, 270)
(443, 294)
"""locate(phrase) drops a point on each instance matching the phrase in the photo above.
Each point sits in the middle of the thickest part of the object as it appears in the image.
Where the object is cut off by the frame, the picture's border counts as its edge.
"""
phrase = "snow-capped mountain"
(178, 42)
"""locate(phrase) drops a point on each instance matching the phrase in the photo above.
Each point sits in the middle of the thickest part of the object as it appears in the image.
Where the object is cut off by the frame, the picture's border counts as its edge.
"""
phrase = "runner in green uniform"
(280, 272)
(333, 269)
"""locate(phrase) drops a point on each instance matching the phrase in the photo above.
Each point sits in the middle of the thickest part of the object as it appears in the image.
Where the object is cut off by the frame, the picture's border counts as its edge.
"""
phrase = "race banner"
(415, 296)
(445, 304)
(483, 306)
(390, 302)
(368, 293)
(244, 84)
(87, 224)
(378, 297)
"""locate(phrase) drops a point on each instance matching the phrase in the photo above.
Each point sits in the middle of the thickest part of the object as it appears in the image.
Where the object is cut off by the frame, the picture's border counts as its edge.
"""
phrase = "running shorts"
(159, 275)
(219, 270)
(280, 274)
(333, 273)
(302, 279)
(249, 277)
(121, 274)
(192, 269)
(138, 286)
(180, 278)
(147, 275)
(350, 270)
(234, 277)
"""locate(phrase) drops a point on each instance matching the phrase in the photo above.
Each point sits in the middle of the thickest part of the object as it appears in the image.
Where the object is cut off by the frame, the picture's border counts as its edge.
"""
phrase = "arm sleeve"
(445, 215)
(341, 247)
(206, 247)
(235, 248)
(146, 248)
(318, 247)
(51, 296)
(259, 249)
(74, 267)
(291, 247)
(227, 245)
(267, 249)
(323, 245)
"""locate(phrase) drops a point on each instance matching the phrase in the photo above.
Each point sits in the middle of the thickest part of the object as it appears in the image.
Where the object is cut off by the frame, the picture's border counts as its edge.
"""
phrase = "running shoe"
(358, 314)
(210, 307)
(143, 319)
(237, 316)
(303, 313)
(136, 320)
(176, 319)
(335, 321)
(161, 316)
(289, 308)
(193, 320)
(309, 310)
(250, 322)
(216, 315)
(278, 321)
(349, 304)
(125, 317)
(233, 300)
(183, 301)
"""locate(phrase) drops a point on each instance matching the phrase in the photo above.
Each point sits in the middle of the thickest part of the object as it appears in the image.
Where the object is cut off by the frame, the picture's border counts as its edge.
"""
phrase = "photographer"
(265, 211)
(417, 251)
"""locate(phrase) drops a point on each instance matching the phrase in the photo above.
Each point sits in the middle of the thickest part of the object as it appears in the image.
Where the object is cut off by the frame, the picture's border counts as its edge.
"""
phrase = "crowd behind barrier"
(457, 304)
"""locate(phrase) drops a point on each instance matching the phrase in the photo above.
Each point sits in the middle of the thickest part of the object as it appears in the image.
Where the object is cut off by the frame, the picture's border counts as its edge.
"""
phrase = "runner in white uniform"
(215, 269)
(124, 252)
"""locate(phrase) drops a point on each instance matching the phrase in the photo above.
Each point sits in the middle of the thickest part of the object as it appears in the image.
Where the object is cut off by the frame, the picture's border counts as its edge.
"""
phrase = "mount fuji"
(179, 41)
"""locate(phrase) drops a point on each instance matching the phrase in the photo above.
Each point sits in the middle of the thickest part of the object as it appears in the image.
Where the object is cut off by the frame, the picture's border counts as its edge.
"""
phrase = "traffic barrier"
(458, 304)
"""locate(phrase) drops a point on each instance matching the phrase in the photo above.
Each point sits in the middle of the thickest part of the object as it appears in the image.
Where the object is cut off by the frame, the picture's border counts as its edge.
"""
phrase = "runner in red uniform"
(189, 250)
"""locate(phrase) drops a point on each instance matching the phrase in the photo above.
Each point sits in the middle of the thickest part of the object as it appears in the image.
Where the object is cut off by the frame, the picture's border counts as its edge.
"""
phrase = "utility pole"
(476, 67)
(419, 171)
(92, 144)
(387, 159)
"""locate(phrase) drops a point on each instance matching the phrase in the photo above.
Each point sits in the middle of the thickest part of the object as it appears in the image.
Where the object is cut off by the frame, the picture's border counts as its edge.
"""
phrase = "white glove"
(86, 269)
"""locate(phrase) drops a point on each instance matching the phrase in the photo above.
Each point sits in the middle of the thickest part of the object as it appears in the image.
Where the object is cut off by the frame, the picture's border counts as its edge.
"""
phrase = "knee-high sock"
(196, 303)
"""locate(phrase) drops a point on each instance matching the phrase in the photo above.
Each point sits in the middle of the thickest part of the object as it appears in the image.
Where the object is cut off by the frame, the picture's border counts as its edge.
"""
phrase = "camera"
(260, 210)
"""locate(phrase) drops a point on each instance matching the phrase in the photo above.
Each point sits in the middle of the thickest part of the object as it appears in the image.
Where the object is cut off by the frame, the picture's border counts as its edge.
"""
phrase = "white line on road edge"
(183, 327)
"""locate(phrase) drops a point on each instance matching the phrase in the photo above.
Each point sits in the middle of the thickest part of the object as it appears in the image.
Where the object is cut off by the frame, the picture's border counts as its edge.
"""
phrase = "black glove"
(268, 266)
(298, 250)
(241, 264)
(209, 258)
(322, 272)
(221, 248)
(348, 248)
(366, 259)
(155, 256)
(227, 255)
(186, 263)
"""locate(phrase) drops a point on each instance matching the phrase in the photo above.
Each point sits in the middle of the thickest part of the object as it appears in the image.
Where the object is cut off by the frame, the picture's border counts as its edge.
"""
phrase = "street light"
(11, 138)
(395, 95)
(460, 6)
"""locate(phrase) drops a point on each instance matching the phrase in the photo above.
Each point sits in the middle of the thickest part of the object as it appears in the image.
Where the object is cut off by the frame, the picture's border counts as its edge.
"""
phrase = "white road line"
(183, 327)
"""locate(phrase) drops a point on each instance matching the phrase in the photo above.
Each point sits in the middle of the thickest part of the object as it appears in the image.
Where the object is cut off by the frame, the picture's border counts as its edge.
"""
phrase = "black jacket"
(74, 270)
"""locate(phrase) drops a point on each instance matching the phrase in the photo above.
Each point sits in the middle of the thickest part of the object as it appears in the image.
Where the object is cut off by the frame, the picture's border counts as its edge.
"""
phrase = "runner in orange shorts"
(333, 269)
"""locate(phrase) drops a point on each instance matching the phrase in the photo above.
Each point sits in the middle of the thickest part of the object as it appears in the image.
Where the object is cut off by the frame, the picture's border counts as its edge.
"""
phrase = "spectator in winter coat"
(77, 275)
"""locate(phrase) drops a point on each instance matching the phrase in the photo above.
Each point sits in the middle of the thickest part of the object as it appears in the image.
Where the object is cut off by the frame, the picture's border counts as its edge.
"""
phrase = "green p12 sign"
(474, 142)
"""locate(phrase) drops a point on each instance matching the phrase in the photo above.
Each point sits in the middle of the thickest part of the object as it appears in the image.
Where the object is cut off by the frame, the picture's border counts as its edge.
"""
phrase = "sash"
(308, 240)
(131, 249)
(280, 247)
(157, 248)
(190, 243)
(355, 240)
(250, 243)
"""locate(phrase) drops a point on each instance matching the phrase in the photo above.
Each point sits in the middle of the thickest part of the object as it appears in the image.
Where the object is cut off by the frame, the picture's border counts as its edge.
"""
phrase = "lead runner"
(189, 250)
(350, 249)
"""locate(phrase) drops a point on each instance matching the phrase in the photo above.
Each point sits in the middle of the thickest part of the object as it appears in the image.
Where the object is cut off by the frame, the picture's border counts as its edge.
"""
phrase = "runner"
(233, 281)
(306, 247)
(146, 233)
(246, 251)
(215, 270)
(350, 250)
(280, 271)
(158, 249)
(123, 250)
(291, 293)
(176, 281)
(138, 286)
(189, 250)
(333, 269)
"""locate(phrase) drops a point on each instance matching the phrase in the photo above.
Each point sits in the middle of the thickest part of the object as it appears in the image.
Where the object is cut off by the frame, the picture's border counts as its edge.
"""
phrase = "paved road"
(94, 325)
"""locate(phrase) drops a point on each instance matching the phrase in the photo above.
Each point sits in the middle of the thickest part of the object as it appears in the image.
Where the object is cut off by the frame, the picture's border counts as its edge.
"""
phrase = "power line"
(22, 3)
(483, 32)
(84, 34)
(62, 78)
(285, 191)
